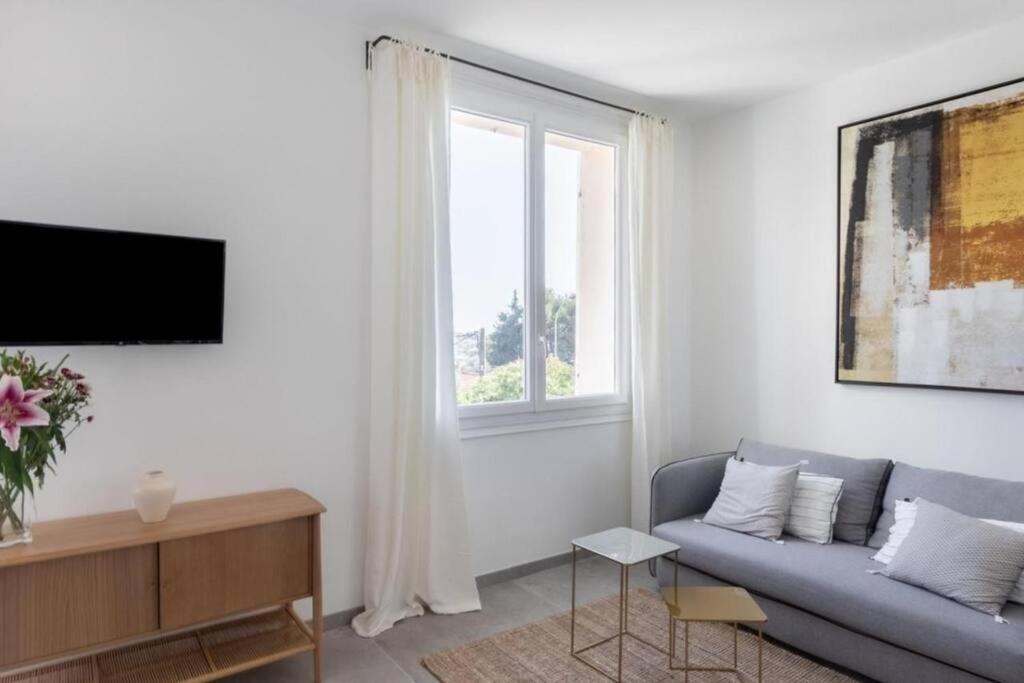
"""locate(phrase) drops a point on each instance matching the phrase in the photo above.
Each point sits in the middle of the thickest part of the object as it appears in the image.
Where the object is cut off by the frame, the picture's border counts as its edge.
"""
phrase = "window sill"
(478, 427)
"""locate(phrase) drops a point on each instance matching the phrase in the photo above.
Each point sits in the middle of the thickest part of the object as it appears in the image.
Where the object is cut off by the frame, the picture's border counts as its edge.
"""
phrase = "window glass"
(488, 238)
(579, 266)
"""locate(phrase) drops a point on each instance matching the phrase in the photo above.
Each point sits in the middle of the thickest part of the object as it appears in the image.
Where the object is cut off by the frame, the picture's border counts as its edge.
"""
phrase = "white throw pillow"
(812, 513)
(753, 499)
(906, 513)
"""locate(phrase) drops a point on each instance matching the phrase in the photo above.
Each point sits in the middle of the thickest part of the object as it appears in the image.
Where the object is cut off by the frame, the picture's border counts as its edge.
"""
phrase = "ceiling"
(711, 54)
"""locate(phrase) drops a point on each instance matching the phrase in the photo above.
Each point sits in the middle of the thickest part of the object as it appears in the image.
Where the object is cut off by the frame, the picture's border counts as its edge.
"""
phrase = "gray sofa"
(820, 599)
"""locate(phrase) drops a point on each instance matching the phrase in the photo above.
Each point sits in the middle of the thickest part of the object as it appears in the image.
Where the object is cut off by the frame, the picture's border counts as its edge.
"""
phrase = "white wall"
(243, 125)
(681, 324)
(763, 278)
(247, 120)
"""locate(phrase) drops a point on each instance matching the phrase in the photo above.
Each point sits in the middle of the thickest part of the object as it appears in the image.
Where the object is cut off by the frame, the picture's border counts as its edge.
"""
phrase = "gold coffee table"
(722, 604)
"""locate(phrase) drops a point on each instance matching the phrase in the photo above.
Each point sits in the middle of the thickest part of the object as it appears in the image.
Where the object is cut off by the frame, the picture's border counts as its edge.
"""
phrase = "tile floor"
(394, 657)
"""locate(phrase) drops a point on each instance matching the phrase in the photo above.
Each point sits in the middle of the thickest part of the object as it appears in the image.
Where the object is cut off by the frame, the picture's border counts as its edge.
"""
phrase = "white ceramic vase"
(154, 495)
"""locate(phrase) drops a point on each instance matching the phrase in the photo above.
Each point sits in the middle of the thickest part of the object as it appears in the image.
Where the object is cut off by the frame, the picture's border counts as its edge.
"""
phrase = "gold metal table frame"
(712, 604)
(686, 668)
(623, 628)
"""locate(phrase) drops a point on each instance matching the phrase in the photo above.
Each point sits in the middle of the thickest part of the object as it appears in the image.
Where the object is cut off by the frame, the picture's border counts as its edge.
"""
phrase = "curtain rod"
(370, 45)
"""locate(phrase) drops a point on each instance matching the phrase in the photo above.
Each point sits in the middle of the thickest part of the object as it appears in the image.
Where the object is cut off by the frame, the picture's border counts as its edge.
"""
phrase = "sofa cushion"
(832, 582)
(863, 483)
(969, 495)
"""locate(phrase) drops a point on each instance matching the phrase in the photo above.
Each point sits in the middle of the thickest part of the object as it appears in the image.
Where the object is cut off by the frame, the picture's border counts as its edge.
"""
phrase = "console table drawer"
(218, 574)
(77, 602)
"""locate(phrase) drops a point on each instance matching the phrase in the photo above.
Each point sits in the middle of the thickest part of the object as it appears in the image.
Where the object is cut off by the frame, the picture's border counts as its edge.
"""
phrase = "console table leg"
(318, 603)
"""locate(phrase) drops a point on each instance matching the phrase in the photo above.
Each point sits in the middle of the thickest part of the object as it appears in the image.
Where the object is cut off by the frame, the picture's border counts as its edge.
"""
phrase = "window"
(537, 262)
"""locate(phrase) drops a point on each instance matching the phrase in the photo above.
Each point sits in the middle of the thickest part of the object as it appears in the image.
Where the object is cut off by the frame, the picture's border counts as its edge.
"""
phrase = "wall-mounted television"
(75, 286)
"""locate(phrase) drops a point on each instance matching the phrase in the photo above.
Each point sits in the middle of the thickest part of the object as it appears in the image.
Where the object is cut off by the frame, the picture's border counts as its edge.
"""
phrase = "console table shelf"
(203, 595)
(188, 657)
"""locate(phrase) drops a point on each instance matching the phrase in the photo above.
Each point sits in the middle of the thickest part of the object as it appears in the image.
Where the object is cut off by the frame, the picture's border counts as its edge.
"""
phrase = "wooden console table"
(203, 595)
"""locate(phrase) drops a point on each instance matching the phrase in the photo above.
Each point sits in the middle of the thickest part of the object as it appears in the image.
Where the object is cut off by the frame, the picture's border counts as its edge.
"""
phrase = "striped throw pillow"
(815, 503)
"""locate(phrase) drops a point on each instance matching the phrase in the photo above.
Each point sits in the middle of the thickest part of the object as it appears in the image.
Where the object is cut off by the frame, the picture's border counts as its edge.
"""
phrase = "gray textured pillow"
(960, 557)
(754, 499)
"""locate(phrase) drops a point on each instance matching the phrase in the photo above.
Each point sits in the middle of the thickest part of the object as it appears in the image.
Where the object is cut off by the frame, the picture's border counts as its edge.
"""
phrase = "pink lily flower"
(18, 409)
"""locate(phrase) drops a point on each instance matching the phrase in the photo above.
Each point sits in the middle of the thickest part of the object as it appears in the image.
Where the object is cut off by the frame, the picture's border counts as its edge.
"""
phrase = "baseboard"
(521, 570)
(342, 618)
(345, 616)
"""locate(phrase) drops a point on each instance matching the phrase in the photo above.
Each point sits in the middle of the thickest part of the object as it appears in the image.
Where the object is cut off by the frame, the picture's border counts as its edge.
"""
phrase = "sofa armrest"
(686, 487)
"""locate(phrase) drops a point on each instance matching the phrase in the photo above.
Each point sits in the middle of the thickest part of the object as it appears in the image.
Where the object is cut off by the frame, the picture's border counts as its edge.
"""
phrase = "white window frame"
(541, 112)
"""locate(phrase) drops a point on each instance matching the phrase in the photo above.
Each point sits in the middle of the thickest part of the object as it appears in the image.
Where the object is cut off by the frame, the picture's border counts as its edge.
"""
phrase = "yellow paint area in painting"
(978, 233)
(874, 355)
(992, 166)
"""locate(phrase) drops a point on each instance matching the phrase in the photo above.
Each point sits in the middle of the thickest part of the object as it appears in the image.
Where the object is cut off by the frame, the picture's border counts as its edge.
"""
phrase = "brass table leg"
(671, 640)
(625, 593)
(735, 645)
(759, 653)
(572, 618)
(686, 651)
(623, 601)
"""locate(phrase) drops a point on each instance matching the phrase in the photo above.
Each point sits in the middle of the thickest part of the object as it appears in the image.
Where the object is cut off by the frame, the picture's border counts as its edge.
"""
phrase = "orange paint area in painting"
(977, 230)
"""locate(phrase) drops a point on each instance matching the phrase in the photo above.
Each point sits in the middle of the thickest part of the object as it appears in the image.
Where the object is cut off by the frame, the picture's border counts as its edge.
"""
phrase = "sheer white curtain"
(417, 543)
(650, 177)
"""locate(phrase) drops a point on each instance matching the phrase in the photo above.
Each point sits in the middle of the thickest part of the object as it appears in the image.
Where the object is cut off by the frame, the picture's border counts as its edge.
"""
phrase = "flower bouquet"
(40, 406)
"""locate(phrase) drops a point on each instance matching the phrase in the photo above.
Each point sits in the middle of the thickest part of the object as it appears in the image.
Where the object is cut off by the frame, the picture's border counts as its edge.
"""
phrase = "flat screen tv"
(74, 286)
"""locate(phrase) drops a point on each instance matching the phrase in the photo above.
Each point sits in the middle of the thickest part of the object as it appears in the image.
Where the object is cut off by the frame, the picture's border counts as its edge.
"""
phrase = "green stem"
(7, 508)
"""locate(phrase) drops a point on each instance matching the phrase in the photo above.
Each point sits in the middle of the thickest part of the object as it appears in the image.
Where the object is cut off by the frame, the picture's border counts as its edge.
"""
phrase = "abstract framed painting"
(930, 277)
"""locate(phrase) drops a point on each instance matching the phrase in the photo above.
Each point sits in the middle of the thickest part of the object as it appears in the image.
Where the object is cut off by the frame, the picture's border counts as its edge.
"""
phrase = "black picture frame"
(839, 246)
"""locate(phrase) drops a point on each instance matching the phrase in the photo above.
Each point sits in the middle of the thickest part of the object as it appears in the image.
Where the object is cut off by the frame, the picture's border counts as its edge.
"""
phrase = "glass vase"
(17, 511)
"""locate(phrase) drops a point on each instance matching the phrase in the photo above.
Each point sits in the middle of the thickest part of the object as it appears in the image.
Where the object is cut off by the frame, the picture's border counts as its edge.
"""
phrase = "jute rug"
(540, 651)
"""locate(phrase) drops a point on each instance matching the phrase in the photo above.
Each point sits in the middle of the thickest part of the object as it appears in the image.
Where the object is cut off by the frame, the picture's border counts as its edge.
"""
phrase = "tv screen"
(84, 286)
